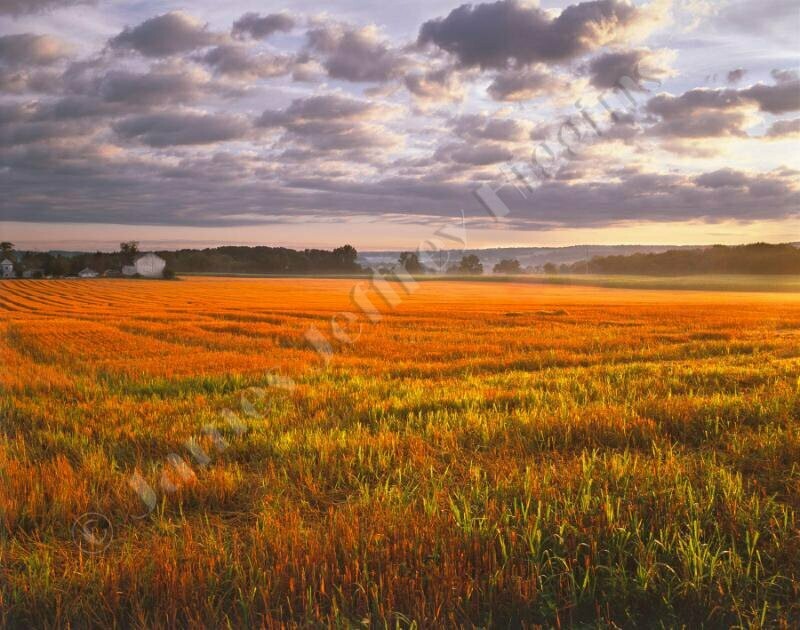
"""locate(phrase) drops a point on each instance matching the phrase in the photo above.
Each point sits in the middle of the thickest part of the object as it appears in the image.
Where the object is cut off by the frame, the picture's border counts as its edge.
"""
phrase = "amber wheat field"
(493, 455)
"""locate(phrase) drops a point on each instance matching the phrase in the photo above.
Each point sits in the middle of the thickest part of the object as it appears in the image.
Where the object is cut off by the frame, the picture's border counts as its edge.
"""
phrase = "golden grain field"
(483, 454)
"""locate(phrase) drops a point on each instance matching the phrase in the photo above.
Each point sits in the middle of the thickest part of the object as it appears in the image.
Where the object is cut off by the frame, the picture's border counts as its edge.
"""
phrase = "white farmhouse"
(88, 273)
(150, 266)
(7, 269)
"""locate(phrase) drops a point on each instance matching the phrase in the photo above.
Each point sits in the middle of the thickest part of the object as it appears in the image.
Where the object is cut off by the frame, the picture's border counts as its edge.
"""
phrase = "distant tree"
(470, 265)
(410, 262)
(550, 269)
(6, 249)
(345, 258)
(55, 266)
(508, 266)
(128, 251)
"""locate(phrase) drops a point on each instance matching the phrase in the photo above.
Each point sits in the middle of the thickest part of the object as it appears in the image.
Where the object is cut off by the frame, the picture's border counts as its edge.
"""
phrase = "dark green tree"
(508, 266)
(411, 263)
(128, 251)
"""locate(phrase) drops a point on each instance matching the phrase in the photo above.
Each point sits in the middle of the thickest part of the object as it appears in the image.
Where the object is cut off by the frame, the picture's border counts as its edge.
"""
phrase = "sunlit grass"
(487, 454)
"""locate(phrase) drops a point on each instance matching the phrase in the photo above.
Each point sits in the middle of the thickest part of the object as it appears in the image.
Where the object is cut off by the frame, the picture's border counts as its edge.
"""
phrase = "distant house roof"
(7, 262)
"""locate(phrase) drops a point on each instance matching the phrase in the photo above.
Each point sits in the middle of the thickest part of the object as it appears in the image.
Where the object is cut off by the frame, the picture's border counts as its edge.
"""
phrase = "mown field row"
(480, 454)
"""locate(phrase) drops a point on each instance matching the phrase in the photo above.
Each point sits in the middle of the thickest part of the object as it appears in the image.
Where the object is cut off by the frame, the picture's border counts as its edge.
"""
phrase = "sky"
(391, 125)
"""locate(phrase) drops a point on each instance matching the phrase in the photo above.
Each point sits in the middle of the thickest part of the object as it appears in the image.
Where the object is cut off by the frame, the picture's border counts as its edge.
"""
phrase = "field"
(475, 453)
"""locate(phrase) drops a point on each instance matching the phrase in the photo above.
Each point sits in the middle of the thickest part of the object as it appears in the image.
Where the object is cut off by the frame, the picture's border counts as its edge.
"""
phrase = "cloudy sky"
(317, 123)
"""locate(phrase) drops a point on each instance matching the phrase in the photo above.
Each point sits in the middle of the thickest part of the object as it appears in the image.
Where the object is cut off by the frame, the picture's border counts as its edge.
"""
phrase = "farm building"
(150, 266)
(88, 273)
(7, 269)
(129, 270)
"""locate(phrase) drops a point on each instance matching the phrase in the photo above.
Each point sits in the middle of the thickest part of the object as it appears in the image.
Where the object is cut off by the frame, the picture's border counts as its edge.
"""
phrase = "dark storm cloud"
(262, 26)
(509, 32)
(166, 35)
(355, 54)
(22, 7)
(28, 49)
(167, 129)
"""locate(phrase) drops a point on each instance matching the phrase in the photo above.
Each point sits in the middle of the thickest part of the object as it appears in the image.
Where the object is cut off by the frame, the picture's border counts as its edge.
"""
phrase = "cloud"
(22, 7)
(720, 112)
(777, 18)
(19, 81)
(703, 124)
(260, 27)
(479, 127)
(166, 35)
(27, 49)
(157, 87)
(734, 76)
(509, 32)
(723, 178)
(775, 99)
(524, 85)
(783, 128)
(670, 107)
(168, 129)
(481, 154)
(237, 62)
(355, 54)
(324, 107)
(628, 69)
(34, 123)
(332, 122)
(435, 85)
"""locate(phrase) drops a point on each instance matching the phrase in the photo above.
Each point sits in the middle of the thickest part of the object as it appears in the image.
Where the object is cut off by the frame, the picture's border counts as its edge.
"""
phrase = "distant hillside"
(758, 258)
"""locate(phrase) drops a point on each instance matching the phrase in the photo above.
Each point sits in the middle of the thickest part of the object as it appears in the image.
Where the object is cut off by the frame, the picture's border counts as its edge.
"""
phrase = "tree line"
(255, 260)
(263, 260)
(754, 259)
